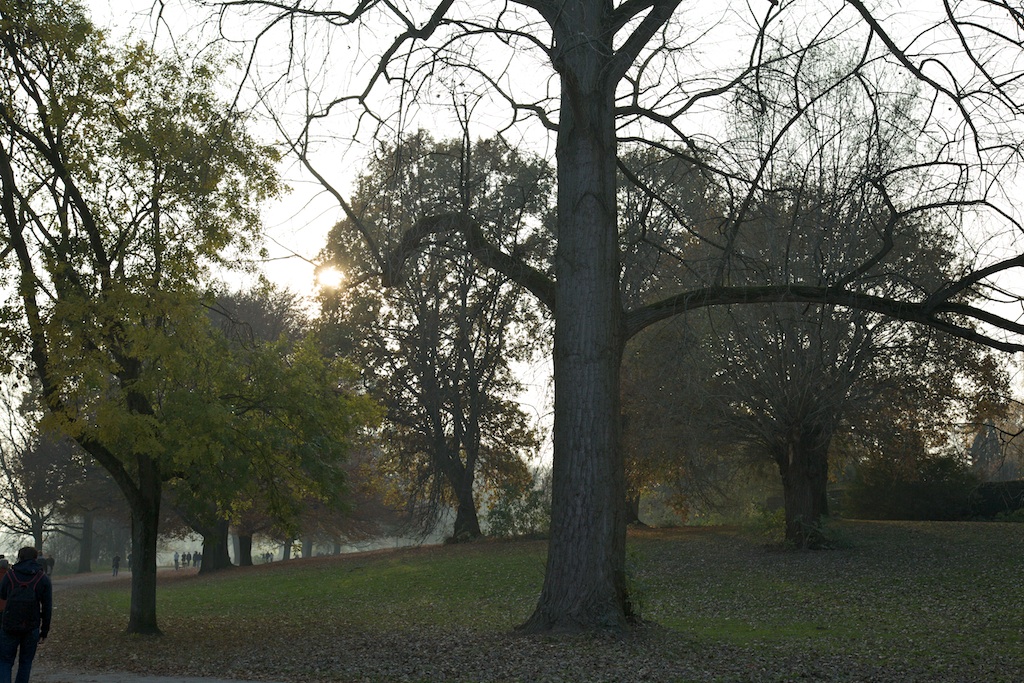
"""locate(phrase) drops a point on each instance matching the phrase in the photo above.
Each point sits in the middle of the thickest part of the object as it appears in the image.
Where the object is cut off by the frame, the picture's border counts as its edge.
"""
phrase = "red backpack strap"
(36, 578)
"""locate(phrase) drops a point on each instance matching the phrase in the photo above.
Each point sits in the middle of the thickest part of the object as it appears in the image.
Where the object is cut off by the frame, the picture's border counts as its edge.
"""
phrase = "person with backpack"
(25, 622)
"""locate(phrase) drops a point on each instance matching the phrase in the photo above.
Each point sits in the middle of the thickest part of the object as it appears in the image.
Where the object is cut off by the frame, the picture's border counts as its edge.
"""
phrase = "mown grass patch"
(898, 602)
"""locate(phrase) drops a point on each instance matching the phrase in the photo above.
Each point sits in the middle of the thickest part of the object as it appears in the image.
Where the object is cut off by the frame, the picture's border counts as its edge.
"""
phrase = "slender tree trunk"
(584, 584)
(803, 464)
(215, 548)
(145, 508)
(244, 550)
(307, 548)
(286, 551)
(85, 545)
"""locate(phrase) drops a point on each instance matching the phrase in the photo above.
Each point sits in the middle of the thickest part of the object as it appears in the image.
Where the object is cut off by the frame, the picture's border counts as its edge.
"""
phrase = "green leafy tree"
(278, 432)
(124, 181)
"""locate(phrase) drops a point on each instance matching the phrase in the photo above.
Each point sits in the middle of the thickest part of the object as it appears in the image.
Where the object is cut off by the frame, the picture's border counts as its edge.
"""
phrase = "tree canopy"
(127, 184)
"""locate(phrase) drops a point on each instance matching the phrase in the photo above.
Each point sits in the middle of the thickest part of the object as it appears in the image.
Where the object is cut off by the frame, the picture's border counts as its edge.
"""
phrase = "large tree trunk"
(144, 503)
(584, 584)
(215, 547)
(467, 524)
(244, 550)
(803, 464)
(85, 545)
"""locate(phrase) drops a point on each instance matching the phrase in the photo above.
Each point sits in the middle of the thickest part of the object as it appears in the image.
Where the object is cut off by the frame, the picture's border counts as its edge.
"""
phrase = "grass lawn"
(897, 602)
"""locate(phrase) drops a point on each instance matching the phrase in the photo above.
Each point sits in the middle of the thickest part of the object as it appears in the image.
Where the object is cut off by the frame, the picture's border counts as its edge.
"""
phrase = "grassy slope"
(899, 602)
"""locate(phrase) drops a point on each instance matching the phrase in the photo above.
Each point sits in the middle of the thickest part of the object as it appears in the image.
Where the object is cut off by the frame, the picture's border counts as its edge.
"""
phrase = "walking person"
(25, 623)
(116, 565)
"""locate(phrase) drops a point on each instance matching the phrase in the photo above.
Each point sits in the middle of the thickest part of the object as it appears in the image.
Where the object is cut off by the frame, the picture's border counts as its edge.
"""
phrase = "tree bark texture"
(244, 550)
(467, 523)
(584, 584)
(85, 545)
(803, 464)
(144, 502)
(215, 548)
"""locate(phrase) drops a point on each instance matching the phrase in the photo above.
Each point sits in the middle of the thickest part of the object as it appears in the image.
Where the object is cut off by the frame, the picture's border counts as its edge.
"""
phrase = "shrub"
(937, 488)
(1001, 500)
(520, 511)
(766, 524)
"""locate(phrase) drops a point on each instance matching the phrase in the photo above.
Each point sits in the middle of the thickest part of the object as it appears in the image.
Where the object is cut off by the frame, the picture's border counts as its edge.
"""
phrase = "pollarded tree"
(124, 180)
(440, 346)
(594, 73)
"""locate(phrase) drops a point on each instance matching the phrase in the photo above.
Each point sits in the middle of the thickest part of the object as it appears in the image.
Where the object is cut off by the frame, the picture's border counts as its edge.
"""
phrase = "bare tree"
(36, 468)
(599, 73)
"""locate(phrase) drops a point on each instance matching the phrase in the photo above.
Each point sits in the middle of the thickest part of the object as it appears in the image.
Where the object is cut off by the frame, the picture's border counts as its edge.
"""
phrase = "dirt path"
(123, 576)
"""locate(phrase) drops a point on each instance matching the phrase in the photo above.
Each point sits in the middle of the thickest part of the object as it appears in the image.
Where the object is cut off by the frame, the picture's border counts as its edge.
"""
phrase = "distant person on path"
(129, 558)
(50, 563)
(26, 618)
(116, 564)
(175, 560)
(196, 559)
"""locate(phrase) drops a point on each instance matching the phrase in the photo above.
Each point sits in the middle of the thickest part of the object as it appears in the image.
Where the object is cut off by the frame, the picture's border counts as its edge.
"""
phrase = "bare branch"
(514, 268)
(924, 313)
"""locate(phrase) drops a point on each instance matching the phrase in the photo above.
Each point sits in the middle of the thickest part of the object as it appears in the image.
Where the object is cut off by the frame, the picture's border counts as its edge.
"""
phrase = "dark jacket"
(44, 590)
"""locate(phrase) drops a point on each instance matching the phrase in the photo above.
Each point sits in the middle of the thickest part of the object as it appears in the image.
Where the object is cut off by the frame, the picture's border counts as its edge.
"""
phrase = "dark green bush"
(999, 500)
(937, 488)
(520, 511)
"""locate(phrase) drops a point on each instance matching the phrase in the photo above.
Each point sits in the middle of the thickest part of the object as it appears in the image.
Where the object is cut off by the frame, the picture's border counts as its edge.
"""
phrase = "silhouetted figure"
(26, 618)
